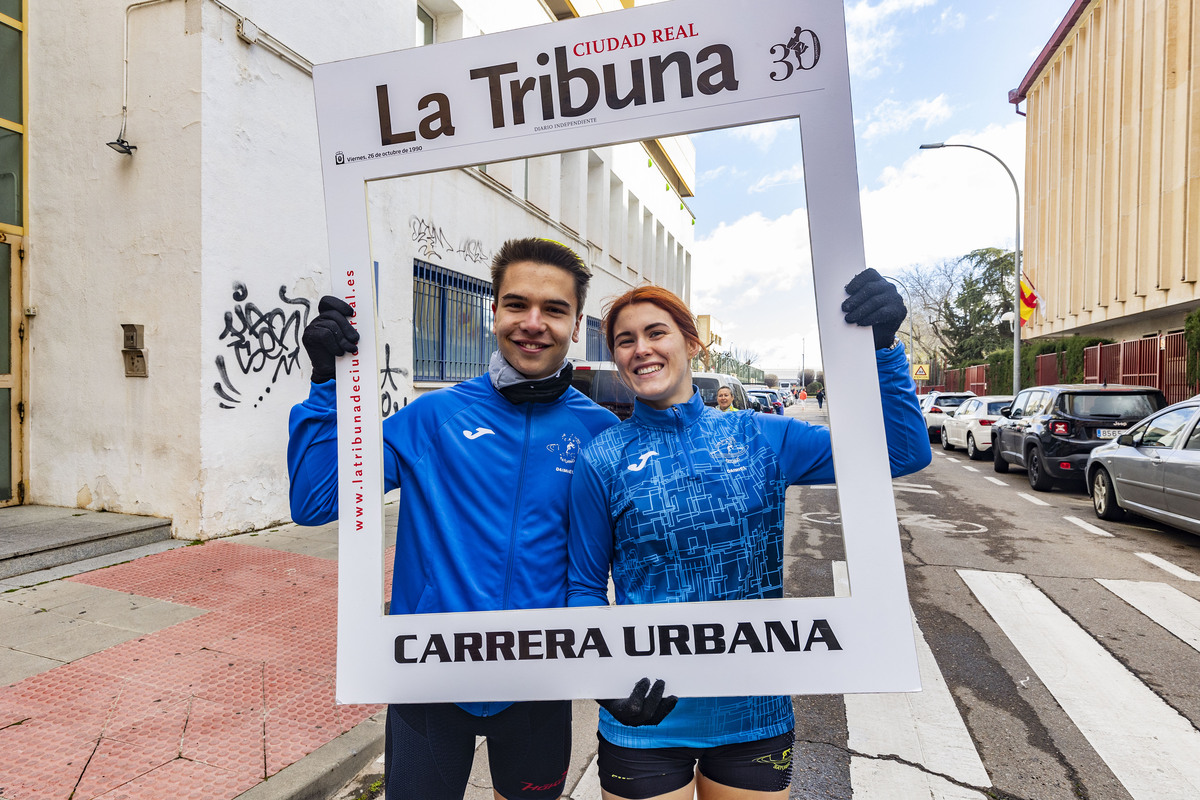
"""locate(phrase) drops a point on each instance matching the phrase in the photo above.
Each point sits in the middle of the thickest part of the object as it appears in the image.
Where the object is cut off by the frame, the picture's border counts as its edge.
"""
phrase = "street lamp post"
(1016, 260)
(912, 348)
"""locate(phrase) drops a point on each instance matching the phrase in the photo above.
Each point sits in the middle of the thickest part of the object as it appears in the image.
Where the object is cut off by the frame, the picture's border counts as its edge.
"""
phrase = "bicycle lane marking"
(1155, 751)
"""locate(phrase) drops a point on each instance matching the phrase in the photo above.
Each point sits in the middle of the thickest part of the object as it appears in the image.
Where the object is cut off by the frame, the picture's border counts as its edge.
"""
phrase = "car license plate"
(1107, 433)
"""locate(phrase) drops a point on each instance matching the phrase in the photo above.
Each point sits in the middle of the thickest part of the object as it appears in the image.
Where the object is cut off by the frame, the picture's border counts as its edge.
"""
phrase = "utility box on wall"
(134, 351)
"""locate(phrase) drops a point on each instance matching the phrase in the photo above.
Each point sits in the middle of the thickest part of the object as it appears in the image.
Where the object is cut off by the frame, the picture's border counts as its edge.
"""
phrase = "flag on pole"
(1030, 299)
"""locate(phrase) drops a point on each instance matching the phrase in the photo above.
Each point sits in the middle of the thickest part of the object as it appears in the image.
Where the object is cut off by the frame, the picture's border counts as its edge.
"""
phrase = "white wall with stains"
(212, 236)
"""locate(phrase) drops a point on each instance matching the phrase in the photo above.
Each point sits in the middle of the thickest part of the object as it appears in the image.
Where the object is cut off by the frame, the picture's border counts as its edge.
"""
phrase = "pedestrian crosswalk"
(918, 745)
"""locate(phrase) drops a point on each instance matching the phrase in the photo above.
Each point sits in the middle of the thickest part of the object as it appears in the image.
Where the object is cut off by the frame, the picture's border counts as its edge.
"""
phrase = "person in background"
(725, 399)
(651, 498)
(485, 468)
(821, 397)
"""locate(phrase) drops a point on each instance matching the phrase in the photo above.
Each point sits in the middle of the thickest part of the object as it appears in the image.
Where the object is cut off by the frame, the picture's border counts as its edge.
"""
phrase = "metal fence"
(1159, 361)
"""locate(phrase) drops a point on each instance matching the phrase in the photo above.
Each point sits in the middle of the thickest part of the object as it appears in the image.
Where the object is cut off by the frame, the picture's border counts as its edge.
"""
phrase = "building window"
(597, 348)
(424, 27)
(12, 123)
(452, 324)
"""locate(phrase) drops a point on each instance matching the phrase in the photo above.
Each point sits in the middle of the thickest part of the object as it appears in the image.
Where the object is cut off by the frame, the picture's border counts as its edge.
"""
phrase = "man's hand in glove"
(328, 336)
(874, 301)
(644, 706)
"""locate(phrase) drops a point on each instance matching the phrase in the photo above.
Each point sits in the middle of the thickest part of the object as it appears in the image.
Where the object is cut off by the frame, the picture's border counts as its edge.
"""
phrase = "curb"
(327, 769)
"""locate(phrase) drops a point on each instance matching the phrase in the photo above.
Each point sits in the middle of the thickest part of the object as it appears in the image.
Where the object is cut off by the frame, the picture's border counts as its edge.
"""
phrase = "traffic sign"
(920, 372)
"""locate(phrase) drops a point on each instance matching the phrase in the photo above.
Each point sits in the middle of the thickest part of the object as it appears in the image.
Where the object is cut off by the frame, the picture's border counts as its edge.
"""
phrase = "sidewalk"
(197, 671)
(193, 671)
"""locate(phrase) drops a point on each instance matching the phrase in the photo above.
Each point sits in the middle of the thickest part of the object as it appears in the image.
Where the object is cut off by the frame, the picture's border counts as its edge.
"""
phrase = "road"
(1060, 651)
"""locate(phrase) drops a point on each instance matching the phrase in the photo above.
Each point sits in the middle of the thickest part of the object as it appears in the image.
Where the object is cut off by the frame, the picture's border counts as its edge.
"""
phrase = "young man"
(485, 468)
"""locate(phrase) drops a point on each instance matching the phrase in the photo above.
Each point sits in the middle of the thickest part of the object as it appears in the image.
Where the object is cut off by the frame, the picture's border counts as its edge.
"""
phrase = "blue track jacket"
(485, 487)
(687, 505)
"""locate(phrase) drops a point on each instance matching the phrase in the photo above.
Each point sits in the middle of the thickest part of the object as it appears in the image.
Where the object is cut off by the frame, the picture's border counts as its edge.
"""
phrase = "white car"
(934, 407)
(970, 424)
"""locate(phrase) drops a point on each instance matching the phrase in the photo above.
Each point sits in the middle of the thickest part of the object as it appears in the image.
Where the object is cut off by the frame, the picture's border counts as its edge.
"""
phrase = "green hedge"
(1191, 336)
(1000, 362)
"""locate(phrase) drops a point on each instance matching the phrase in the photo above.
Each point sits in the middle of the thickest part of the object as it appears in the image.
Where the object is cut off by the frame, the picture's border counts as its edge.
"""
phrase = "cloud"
(891, 116)
(763, 134)
(950, 20)
(755, 276)
(871, 37)
(945, 203)
(785, 178)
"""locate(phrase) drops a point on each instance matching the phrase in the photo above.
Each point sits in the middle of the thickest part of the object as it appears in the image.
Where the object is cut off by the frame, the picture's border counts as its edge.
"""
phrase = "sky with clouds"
(921, 71)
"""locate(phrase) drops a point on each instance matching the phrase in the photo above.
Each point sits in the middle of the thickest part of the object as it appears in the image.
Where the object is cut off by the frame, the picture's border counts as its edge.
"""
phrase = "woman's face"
(724, 398)
(652, 355)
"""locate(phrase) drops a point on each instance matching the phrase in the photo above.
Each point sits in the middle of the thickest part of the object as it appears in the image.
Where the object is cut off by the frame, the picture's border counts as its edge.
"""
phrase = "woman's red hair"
(656, 295)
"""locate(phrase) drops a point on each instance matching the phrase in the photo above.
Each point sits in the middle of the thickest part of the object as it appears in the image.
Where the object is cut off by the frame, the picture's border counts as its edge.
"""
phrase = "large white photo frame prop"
(420, 110)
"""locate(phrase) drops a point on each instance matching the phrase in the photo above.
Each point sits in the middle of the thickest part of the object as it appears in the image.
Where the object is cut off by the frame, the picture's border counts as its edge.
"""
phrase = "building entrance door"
(12, 405)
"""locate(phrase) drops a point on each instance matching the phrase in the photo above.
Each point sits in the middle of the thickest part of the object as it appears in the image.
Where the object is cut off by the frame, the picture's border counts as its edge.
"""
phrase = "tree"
(958, 304)
(771, 380)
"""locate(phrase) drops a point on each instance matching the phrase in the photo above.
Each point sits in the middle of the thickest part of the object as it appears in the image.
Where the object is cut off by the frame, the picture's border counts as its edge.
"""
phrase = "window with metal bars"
(452, 324)
(597, 348)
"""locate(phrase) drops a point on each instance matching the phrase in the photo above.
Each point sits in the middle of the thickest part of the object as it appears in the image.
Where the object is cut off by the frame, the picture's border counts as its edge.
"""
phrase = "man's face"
(535, 317)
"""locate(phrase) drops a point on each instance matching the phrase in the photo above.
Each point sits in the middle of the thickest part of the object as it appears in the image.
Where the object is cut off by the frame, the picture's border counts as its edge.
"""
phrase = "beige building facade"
(1112, 172)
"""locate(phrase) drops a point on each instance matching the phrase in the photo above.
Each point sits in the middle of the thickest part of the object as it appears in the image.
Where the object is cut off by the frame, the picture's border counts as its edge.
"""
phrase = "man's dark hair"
(542, 251)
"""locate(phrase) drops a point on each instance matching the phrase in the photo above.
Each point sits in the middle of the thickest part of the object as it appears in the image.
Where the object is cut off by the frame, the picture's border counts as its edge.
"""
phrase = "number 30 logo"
(804, 48)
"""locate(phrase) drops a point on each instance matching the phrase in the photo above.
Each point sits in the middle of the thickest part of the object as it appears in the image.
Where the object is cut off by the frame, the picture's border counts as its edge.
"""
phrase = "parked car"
(769, 400)
(935, 406)
(970, 426)
(1153, 470)
(599, 381)
(709, 382)
(1050, 430)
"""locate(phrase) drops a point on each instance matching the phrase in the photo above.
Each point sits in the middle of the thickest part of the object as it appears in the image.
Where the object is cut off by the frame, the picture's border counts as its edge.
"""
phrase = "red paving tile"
(42, 760)
(289, 740)
(114, 764)
(224, 737)
(182, 779)
(205, 708)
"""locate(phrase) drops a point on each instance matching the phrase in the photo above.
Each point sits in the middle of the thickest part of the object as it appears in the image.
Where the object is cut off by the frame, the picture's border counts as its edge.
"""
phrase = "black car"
(1050, 430)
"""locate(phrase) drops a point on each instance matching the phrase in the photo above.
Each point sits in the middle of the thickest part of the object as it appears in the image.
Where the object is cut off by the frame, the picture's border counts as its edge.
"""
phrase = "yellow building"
(1112, 172)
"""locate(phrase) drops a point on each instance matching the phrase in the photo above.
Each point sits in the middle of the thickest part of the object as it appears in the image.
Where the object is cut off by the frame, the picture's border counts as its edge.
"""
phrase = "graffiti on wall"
(265, 344)
(432, 242)
(389, 392)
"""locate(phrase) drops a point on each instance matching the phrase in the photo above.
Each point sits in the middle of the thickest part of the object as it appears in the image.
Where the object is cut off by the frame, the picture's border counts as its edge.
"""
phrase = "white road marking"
(952, 459)
(841, 579)
(887, 780)
(997, 481)
(1087, 526)
(1154, 751)
(920, 727)
(1162, 563)
(1166, 605)
(588, 787)
(1036, 501)
(970, 468)
(914, 488)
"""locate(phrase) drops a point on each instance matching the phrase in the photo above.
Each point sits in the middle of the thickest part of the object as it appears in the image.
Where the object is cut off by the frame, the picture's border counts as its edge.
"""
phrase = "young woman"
(717, 536)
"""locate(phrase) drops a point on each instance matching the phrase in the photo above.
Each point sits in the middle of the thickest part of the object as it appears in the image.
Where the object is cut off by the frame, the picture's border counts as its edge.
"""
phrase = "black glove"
(328, 336)
(874, 301)
(641, 708)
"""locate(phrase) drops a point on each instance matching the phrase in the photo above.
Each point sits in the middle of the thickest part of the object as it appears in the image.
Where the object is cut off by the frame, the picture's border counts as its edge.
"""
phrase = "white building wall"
(212, 236)
(113, 239)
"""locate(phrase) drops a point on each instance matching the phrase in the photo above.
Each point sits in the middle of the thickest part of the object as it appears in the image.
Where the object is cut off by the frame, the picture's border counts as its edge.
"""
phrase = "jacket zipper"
(512, 532)
(683, 445)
